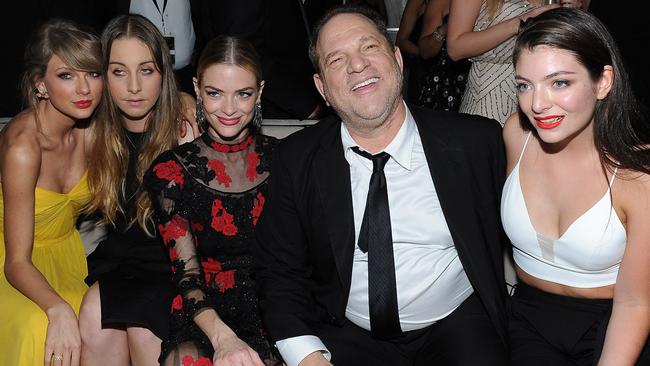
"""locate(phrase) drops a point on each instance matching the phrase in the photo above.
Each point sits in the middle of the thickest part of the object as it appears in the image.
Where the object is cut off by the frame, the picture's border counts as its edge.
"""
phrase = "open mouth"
(549, 121)
(365, 83)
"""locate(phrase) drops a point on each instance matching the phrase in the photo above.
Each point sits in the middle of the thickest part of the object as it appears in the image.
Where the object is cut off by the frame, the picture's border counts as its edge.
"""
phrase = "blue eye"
(64, 75)
(522, 87)
(95, 74)
(118, 72)
(147, 71)
(245, 95)
(212, 94)
(561, 83)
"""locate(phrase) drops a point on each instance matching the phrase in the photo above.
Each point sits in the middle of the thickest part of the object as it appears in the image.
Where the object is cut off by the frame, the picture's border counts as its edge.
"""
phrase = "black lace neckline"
(226, 148)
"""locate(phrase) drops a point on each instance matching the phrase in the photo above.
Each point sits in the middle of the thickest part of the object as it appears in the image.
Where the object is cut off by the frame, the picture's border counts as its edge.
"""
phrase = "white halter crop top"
(587, 255)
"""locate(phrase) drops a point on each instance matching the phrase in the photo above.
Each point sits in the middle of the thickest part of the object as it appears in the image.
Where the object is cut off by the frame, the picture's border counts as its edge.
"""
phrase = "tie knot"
(378, 160)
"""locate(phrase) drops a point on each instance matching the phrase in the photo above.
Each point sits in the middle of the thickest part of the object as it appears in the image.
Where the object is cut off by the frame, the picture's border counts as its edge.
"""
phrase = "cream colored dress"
(490, 89)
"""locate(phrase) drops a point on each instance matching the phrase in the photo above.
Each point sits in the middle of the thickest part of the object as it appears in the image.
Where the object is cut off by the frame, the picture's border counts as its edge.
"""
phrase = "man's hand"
(315, 359)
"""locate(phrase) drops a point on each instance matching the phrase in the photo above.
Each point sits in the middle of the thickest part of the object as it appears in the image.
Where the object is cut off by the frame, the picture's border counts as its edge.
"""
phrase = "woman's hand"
(230, 350)
(188, 126)
(537, 11)
(63, 341)
(572, 4)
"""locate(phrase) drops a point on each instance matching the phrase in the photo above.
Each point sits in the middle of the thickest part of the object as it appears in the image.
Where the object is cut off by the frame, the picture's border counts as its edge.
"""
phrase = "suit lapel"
(333, 182)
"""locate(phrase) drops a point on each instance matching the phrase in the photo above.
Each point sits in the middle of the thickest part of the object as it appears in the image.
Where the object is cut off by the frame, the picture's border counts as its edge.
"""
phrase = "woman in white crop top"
(577, 199)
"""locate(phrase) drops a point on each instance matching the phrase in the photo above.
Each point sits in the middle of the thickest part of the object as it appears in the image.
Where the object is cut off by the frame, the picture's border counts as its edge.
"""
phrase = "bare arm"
(406, 25)
(21, 160)
(430, 42)
(629, 324)
(464, 42)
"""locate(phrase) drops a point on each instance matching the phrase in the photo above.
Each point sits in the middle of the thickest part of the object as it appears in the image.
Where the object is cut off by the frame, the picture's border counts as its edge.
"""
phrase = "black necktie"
(375, 238)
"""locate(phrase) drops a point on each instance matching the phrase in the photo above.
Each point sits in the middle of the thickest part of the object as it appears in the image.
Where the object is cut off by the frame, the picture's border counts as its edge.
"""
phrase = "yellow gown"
(59, 254)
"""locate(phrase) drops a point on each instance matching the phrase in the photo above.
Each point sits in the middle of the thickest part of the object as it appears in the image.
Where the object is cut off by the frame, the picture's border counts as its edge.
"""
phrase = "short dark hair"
(364, 11)
(620, 133)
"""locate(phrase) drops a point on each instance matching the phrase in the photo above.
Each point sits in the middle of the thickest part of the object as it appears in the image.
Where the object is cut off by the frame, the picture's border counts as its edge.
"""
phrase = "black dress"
(209, 197)
(132, 268)
(437, 83)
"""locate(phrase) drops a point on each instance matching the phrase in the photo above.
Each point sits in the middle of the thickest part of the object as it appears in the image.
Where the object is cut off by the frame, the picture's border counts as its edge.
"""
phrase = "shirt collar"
(400, 148)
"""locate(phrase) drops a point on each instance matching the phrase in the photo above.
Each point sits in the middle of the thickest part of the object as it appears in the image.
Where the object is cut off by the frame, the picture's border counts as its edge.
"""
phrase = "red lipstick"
(549, 122)
(83, 104)
(229, 121)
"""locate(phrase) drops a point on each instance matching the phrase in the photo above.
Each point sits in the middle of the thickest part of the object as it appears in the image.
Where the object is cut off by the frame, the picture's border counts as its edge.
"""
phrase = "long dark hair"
(620, 133)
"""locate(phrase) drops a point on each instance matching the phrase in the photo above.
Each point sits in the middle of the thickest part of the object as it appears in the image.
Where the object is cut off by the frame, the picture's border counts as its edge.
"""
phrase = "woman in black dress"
(209, 196)
(124, 314)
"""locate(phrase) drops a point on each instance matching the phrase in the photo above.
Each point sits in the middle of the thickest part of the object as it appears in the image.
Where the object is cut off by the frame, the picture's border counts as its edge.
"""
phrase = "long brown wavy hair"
(107, 170)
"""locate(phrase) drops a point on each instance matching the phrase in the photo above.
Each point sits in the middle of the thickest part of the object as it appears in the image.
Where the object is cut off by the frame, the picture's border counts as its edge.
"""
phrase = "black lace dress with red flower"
(208, 197)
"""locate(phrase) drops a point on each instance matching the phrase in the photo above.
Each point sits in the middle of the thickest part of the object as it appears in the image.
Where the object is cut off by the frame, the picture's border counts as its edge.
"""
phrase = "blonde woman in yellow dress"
(43, 177)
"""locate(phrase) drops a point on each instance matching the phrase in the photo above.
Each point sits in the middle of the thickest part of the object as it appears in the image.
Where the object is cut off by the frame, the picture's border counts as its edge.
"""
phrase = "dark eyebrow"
(248, 88)
(121, 63)
(549, 76)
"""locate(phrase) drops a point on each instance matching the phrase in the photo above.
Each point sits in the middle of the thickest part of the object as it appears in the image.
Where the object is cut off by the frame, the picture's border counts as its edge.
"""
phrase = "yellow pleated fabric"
(59, 254)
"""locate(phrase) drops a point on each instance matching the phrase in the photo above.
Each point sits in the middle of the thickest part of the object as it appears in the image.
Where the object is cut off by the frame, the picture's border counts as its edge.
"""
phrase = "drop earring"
(201, 120)
(41, 94)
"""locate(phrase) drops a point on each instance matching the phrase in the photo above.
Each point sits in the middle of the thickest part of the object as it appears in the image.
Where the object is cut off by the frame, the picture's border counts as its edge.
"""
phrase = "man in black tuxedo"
(381, 242)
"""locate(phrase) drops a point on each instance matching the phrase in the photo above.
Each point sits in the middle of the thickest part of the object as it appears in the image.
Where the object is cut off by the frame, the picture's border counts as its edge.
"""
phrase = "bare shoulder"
(514, 137)
(20, 148)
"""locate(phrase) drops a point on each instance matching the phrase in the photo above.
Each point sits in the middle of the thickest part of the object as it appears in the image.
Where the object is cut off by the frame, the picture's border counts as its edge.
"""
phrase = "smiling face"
(133, 80)
(229, 94)
(73, 93)
(361, 74)
(557, 94)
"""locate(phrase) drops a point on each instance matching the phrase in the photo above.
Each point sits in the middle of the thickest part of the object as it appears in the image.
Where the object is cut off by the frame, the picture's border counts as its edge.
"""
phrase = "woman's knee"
(142, 339)
(90, 316)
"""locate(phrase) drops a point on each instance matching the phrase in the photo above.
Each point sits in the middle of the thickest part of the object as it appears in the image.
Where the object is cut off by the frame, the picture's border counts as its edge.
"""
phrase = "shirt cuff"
(295, 349)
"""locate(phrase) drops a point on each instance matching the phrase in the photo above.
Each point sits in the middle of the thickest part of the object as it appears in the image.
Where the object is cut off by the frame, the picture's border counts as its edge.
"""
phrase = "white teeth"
(552, 120)
(364, 83)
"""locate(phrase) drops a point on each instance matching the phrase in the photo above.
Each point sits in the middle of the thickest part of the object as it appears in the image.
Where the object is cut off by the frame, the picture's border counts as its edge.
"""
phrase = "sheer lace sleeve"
(166, 181)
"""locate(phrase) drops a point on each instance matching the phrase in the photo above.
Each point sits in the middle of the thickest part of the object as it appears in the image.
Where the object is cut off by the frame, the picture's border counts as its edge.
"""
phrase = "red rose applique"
(203, 361)
(252, 161)
(211, 268)
(258, 206)
(219, 169)
(187, 360)
(173, 254)
(175, 228)
(225, 280)
(169, 171)
(196, 227)
(177, 303)
(222, 221)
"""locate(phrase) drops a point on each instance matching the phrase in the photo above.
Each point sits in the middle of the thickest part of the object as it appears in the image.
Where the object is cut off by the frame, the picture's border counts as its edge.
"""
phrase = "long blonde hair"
(107, 172)
(493, 7)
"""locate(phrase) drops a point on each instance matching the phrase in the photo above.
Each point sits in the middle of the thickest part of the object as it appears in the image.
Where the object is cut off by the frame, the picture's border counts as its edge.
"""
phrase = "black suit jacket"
(306, 233)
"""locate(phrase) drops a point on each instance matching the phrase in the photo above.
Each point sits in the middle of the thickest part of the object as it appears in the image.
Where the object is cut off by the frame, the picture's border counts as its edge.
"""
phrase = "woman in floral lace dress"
(209, 195)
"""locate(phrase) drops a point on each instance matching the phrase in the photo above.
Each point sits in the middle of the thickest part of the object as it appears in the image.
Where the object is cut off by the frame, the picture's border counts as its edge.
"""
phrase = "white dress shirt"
(172, 20)
(431, 281)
